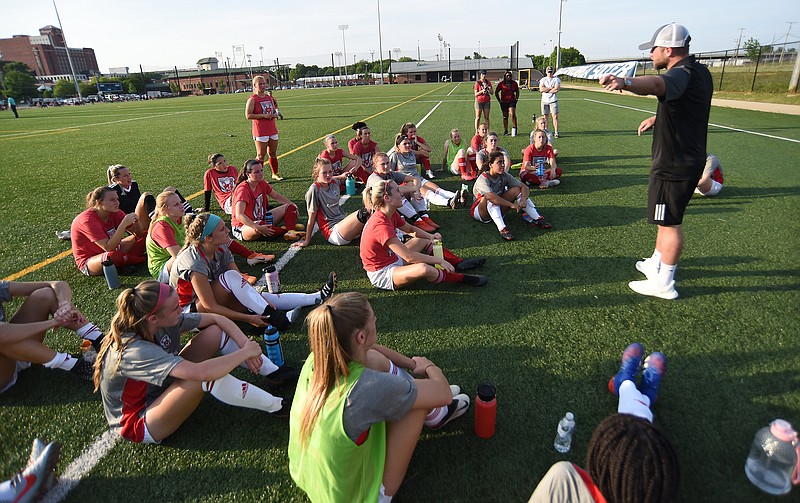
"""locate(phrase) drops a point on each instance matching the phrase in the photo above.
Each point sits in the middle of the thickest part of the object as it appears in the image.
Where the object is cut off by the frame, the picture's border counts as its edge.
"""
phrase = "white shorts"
(147, 438)
(227, 206)
(550, 108)
(336, 239)
(476, 214)
(163, 276)
(454, 167)
(713, 191)
(382, 278)
(237, 233)
(265, 139)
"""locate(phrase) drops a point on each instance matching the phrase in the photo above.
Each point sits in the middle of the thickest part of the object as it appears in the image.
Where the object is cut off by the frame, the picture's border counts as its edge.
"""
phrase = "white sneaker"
(430, 175)
(653, 289)
(553, 183)
(457, 408)
(63, 235)
(649, 268)
(455, 389)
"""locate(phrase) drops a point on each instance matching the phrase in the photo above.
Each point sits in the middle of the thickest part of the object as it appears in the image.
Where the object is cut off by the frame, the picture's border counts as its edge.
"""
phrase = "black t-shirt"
(128, 200)
(681, 129)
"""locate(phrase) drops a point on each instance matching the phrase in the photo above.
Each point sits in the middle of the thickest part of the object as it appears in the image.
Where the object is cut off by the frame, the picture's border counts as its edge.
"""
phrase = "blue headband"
(211, 224)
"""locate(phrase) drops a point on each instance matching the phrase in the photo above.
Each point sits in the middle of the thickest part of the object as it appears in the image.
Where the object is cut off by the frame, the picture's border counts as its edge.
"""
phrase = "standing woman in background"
(483, 99)
(262, 111)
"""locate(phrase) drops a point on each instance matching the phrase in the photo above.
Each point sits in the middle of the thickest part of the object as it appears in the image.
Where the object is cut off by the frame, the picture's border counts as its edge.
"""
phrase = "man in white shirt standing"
(549, 86)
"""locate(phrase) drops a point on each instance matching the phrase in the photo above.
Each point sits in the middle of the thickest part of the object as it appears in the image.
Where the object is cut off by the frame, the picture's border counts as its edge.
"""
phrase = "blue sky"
(163, 34)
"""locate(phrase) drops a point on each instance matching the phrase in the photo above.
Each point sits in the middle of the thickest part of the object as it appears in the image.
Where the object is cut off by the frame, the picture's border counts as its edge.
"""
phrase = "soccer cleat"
(555, 135)
(35, 480)
(457, 408)
(423, 226)
(631, 361)
(653, 289)
(430, 175)
(150, 205)
(283, 376)
(430, 222)
(294, 235)
(553, 183)
(294, 314)
(276, 177)
(250, 279)
(540, 223)
(84, 367)
(470, 263)
(475, 280)
(455, 202)
(649, 267)
(286, 407)
(299, 227)
(63, 235)
(506, 235)
(655, 366)
(465, 196)
(505, 133)
(259, 258)
(328, 288)
(277, 318)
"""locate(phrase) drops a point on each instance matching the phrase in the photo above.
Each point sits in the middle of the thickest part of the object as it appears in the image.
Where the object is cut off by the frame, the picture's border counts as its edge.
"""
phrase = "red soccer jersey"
(482, 85)
(365, 152)
(508, 92)
(264, 105)
(221, 183)
(335, 158)
(476, 143)
(256, 201)
(531, 154)
(86, 229)
(374, 250)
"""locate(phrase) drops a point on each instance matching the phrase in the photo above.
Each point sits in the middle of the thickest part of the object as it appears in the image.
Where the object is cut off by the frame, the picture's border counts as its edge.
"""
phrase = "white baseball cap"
(669, 35)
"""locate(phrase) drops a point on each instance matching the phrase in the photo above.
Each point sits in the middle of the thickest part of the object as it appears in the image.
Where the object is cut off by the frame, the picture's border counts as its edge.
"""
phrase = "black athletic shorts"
(505, 106)
(667, 200)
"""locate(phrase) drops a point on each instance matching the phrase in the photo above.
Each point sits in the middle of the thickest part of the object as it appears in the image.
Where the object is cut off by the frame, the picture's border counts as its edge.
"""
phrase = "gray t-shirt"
(397, 176)
(376, 397)
(482, 156)
(325, 201)
(485, 184)
(192, 259)
(405, 163)
(130, 381)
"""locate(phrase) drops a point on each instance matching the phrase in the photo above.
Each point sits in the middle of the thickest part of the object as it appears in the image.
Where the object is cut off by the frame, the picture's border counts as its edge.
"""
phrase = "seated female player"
(336, 156)
(364, 148)
(221, 180)
(422, 151)
(322, 204)
(392, 264)
(491, 143)
(455, 156)
(131, 200)
(414, 208)
(208, 281)
(540, 153)
(101, 232)
(357, 413)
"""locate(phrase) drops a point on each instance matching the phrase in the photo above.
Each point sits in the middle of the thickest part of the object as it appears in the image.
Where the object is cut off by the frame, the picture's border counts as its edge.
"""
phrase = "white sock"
(89, 331)
(228, 346)
(407, 210)
(238, 393)
(666, 273)
(248, 296)
(632, 401)
(289, 301)
(419, 205)
(496, 214)
(435, 416)
(530, 209)
(62, 361)
(656, 256)
(437, 199)
(445, 193)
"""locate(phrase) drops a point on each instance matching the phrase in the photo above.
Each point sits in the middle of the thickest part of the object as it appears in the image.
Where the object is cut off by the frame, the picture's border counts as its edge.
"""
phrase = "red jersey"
(351, 145)
(508, 92)
(256, 201)
(484, 85)
(365, 152)
(533, 156)
(476, 143)
(335, 158)
(221, 183)
(264, 105)
(716, 175)
(87, 229)
(374, 250)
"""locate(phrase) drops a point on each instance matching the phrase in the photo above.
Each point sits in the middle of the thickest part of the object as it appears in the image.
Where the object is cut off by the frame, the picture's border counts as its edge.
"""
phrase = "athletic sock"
(437, 199)
(407, 210)
(419, 205)
(233, 282)
(445, 193)
(273, 165)
(91, 333)
(232, 391)
(435, 416)
(449, 277)
(238, 248)
(187, 208)
(289, 301)
(451, 257)
(666, 273)
(496, 214)
(227, 346)
(290, 217)
(656, 256)
(530, 209)
(63, 361)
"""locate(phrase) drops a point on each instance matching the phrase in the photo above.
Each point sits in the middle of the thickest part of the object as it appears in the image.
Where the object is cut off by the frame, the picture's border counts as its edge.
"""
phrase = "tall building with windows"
(46, 55)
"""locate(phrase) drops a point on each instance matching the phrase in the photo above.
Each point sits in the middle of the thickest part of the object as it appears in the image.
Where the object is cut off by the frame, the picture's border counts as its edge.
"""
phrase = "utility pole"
(786, 41)
(738, 44)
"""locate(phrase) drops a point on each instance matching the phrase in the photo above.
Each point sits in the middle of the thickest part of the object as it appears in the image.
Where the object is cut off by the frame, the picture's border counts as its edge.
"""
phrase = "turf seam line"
(710, 123)
(82, 465)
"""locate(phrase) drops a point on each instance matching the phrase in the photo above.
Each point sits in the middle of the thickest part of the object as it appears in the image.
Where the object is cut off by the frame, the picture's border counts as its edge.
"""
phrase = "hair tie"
(211, 224)
(163, 292)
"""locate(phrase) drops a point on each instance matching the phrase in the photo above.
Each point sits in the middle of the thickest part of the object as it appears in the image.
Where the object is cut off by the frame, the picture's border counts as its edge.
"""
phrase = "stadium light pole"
(558, 47)
(261, 62)
(69, 58)
(339, 64)
(380, 41)
(250, 64)
(343, 28)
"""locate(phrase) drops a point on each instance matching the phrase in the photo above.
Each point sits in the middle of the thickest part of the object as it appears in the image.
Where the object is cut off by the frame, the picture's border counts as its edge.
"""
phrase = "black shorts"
(505, 106)
(667, 200)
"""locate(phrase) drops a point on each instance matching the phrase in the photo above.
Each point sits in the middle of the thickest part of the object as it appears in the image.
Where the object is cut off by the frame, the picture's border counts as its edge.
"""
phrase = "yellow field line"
(70, 130)
(67, 253)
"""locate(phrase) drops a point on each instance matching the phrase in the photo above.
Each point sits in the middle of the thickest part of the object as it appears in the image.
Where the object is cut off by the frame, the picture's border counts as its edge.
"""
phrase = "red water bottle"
(485, 410)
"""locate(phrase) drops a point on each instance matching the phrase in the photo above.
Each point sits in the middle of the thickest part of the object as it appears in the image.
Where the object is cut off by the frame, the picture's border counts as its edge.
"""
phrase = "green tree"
(174, 88)
(20, 85)
(753, 47)
(570, 56)
(87, 88)
(16, 66)
(405, 59)
(64, 88)
(222, 85)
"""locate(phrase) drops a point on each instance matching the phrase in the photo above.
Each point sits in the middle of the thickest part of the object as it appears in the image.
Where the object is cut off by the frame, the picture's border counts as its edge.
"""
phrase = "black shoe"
(328, 288)
(470, 263)
(84, 367)
(455, 202)
(475, 279)
(276, 318)
(283, 376)
(150, 204)
(363, 215)
(286, 407)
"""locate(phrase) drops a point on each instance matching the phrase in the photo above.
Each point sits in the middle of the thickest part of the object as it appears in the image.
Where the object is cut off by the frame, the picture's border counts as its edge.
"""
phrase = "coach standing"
(549, 86)
(507, 93)
(679, 147)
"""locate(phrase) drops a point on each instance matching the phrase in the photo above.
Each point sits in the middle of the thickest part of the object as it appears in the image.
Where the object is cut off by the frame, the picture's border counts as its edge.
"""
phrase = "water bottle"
(273, 342)
(350, 185)
(563, 440)
(485, 410)
(269, 219)
(542, 176)
(111, 274)
(773, 458)
(273, 280)
(438, 252)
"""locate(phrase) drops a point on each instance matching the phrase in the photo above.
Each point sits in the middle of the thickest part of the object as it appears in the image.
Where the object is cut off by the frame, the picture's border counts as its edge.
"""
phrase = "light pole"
(786, 41)
(558, 48)
(552, 48)
(261, 48)
(380, 42)
(250, 64)
(339, 64)
(344, 27)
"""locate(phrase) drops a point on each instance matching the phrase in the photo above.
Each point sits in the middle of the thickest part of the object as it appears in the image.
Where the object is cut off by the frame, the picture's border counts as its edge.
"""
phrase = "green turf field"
(548, 329)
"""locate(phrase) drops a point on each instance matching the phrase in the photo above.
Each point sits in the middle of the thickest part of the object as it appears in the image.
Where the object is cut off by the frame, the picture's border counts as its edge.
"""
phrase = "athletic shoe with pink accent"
(655, 366)
(631, 361)
(35, 480)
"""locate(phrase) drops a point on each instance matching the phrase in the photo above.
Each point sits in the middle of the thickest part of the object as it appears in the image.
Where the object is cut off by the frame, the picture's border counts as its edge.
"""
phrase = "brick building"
(46, 55)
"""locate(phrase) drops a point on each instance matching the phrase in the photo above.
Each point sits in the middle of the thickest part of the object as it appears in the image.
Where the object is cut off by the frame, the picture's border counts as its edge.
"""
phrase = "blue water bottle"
(111, 274)
(542, 176)
(274, 349)
(350, 185)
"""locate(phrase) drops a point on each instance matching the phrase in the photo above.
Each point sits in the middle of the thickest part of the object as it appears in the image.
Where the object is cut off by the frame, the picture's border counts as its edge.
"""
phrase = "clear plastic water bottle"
(273, 342)
(111, 274)
(438, 252)
(773, 458)
(566, 427)
(273, 280)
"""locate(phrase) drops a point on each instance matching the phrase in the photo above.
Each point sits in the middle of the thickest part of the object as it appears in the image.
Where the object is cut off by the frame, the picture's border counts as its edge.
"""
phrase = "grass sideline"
(548, 330)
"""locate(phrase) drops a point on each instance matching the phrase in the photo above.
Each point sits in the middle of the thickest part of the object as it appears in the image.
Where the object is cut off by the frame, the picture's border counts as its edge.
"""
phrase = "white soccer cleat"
(653, 289)
(649, 268)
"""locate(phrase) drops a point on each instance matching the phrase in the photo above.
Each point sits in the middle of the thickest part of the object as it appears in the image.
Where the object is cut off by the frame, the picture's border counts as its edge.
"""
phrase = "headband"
(211, 224)
(163, 292)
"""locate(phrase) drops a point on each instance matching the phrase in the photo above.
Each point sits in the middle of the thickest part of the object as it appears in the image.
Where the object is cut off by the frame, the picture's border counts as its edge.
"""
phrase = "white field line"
(710, 124)
(41, 131)
(418, 124)
(81, 466)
